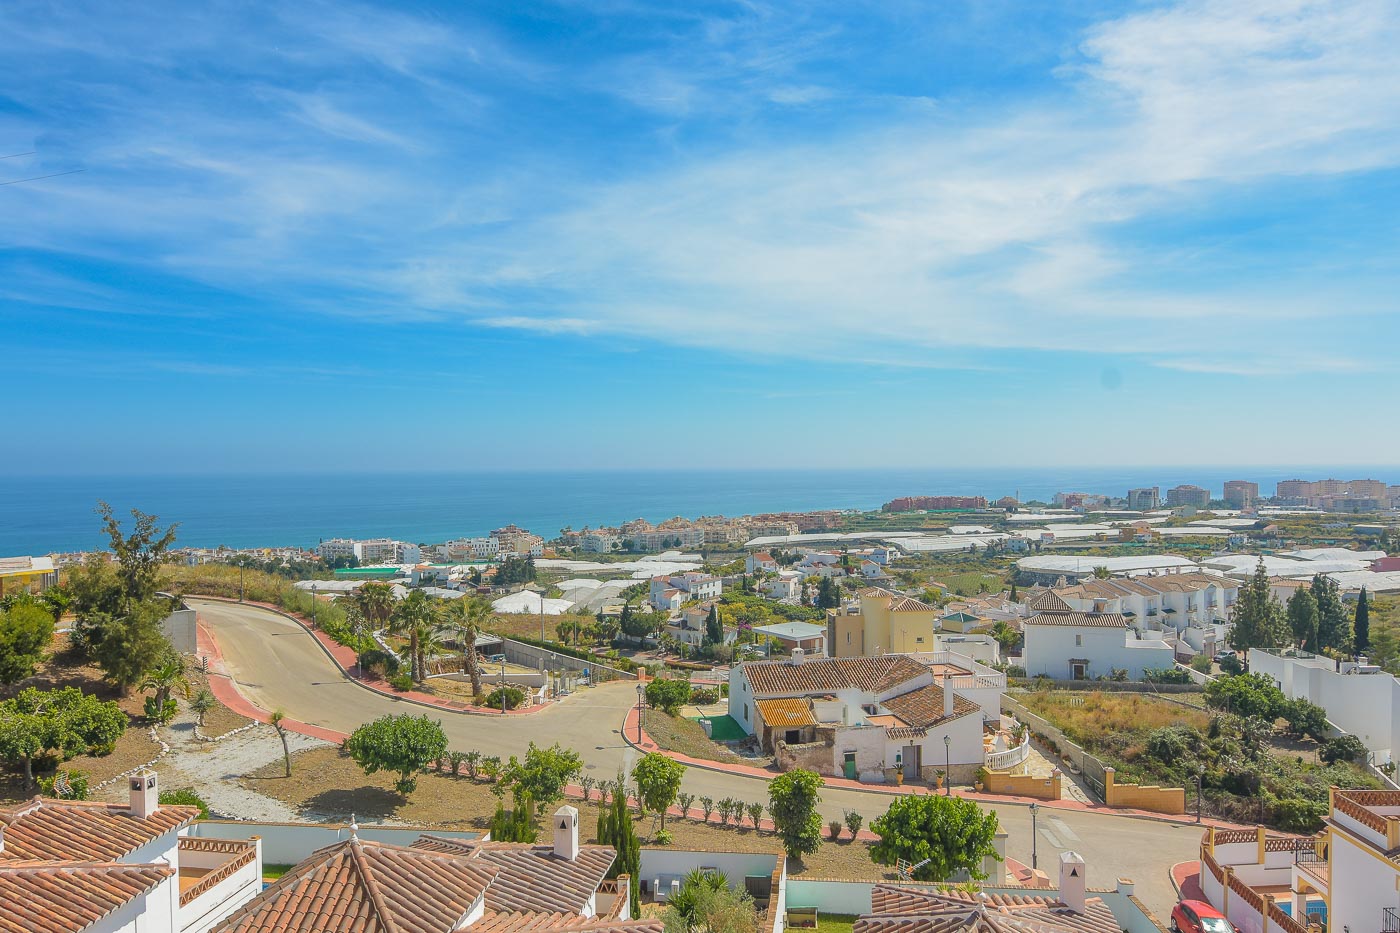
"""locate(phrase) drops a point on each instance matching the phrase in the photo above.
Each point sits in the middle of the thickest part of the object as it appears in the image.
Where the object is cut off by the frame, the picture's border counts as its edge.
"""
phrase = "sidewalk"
(631, 730)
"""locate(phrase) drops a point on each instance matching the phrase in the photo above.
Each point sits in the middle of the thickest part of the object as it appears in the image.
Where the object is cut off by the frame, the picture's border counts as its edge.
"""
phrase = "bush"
(185, 797)
(1166, 675)
(1231, 664)
(835, 826)
(401, 682)
(668, 695)
(1015, 670)
(65, 785)
(1246, 695)
(1342, 748)
(1298, 816)
(514, 697)
(1305, 717)
(703, 696)
(158, 712)
(1201, 664)
(378, 662)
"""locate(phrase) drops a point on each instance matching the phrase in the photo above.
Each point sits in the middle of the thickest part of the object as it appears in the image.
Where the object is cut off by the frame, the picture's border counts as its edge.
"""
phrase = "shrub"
(185, 797)
(1015, 670)
(161, 713)
(703, 696)
(65, 785)
(835, 827)
(1297, 815)
(1201, 664)
(514, 697)
(1166, 675)
(853, 822)
(1305, 717)
(684, 801)
(1342, 748)
(378, 662)
(1231, 664)
(401, 682)
(668, 695)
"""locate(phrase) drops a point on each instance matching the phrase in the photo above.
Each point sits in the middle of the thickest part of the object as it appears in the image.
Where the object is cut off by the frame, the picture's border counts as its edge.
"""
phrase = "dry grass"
(1092, 719)
(326, 785)
(678, 734)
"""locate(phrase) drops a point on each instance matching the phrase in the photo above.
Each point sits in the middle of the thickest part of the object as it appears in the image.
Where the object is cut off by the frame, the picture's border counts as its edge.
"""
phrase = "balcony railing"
(1390, 920)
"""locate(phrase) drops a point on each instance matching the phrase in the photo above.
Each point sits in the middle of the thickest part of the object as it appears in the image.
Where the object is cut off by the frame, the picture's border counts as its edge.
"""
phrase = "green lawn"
(271, 872)
(835, 923)
(723, 728)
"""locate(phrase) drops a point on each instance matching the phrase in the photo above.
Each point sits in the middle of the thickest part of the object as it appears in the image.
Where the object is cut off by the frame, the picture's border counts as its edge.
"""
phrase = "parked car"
(1200, 917)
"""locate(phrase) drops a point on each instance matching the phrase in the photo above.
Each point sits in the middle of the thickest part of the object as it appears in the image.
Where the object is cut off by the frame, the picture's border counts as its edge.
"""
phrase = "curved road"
(276, 664)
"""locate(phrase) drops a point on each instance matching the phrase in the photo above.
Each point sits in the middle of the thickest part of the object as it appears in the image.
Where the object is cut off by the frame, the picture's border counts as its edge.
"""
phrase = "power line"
(20, 181)
(16, 155)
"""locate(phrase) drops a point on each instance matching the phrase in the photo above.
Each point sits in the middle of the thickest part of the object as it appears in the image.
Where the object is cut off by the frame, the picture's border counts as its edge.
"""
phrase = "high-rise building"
(1145, 499)
(1187, 494)
(1241, 494)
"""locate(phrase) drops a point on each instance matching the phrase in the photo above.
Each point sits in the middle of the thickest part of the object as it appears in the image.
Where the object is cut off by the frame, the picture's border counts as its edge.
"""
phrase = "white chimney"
(566, 833)
(947, 698)
(1072, 878)
(145, 795)
(797, 655)
(2, 839)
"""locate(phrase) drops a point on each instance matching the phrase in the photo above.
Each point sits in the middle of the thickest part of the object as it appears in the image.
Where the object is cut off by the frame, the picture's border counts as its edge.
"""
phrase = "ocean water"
(39, 515)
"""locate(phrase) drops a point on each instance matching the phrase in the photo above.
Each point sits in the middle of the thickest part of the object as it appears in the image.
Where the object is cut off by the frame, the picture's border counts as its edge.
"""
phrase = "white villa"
(1189, 611)
(670, 593)
(1360, 698)
(1067, 644)
(870, 719)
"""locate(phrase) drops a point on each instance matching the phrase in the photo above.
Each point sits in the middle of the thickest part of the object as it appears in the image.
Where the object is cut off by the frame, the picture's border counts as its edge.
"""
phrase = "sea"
(46, 514)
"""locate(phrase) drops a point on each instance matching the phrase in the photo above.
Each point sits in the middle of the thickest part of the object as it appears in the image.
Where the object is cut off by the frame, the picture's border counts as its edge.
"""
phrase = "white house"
(787, 585)
(1069, 645)
(866, 718)
(669, 593)
(1360, 698)
(760, 562)
(119, 868)
(1190, 610)
(873, 570)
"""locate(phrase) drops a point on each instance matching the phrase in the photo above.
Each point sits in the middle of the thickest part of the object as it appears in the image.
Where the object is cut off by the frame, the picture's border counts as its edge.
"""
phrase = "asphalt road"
(277, 665)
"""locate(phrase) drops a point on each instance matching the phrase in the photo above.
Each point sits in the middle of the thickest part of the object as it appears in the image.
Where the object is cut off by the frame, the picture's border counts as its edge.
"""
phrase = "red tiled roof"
(69, 896)
(823, 675)
(357, 886)
(897, 909)
(558, 922)
(83, 831)
(1048, 602)
(923, 707)
(532, 878)
(909, 604)
(1091, 619)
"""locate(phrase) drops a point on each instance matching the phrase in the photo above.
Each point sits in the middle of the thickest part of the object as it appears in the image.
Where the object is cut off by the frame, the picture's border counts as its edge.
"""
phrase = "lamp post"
(240, 583)
(947, 766)
(502, 688)
(641, 692)
(1197, 776)
(1034, 860)
(313, 604)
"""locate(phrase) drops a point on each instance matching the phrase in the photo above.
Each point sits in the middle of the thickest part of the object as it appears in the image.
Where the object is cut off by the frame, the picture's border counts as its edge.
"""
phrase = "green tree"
(952, 833)
(276, 721)
(130, 645)
(544, 773)
(25, 632)
(163, 679)
(1102, 573)
(1302, 618)
(1333, 625)
(615, 829)
(375, 602)
(514, 570)
(468, 617)
(792, 803)
(1006, 635)
(1305, 717)
(707, 904)
(1361, 629)
(1246, 695)
(516, 824)
(1257, 618)
(668, 694)
(402, 744)
(714, 631)
(63, 722)
(1343, 748)
(202, 703)
(139, 554)
(411, 616)
(828, 594)
(658, 781)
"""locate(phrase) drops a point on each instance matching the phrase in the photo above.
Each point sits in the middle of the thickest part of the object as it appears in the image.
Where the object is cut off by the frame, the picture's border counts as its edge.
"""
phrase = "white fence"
(1002, 761)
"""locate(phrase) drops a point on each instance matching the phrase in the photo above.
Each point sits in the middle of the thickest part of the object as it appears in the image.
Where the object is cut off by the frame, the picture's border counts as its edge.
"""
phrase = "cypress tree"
(1257, 619)
(1362, 628)
(615, 829)
(1302, 619)
(714, 632)
(1333, 626)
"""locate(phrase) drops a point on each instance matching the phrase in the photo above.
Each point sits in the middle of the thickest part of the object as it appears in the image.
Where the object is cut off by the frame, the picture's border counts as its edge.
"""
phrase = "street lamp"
(1034, 859)
(1197, 776)
(501, 690)
(948, 766)
(641, 691)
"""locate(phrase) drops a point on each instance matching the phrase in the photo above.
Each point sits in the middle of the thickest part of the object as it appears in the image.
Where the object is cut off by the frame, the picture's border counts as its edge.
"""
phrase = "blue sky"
(760, 234)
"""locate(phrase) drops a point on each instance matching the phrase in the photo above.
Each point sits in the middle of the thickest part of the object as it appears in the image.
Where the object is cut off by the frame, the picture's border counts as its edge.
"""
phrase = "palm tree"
(202, 703)
(468, 616)
(430, 643)
(165, 678)
(276, 720)
(410, 617)
(376, 603)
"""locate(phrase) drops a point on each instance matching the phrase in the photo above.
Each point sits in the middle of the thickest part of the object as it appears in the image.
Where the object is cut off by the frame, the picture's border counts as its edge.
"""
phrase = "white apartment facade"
(669, 593)
(371, 551)
(1065, 644)
(1360, 699)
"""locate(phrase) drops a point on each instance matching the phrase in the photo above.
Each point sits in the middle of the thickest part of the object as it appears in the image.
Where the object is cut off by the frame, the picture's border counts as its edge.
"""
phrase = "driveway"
(276, 664)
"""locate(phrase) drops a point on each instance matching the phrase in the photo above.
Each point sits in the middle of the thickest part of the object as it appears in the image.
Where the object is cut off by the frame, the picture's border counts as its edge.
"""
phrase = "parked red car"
(1200, 917)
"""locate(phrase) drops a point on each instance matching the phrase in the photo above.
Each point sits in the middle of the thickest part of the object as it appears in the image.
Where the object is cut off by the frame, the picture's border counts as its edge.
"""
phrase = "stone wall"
(1143, 796)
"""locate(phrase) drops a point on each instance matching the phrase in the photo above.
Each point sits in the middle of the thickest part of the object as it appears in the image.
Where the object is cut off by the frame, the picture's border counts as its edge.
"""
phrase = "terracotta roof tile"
(909, 604)
(898, 909)
(822, 675)
(516, 922)
(83, 831)
(64, 896)
(357, 886)
(923, 707)
(1091, 619)
(532, 878)
(1048, 602)
(786, 712)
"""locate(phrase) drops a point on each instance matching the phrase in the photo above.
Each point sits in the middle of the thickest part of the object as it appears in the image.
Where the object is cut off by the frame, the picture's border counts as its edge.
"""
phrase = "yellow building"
(31, 574)
(882, 622)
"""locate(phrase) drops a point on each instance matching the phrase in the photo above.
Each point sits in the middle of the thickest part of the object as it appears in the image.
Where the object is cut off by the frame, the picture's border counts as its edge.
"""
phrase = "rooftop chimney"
(145, 796)
(566, 833)
(797, 655)
(1072, 877)
(947, 698)
(2, 839)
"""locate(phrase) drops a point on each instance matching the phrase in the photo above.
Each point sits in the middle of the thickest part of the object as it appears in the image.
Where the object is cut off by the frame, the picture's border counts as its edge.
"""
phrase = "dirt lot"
(325, 785)
(679, 734)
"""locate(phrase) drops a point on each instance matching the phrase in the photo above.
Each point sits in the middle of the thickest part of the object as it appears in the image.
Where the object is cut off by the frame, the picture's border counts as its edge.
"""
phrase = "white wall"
(289, 843)
(1048, 649)
(1364, 705)
(1361, 884)
(153, 912)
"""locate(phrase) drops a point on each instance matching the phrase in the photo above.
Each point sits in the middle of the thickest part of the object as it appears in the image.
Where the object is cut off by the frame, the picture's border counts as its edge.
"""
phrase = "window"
(1078, 640)
(793, 736)
(746, 711)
